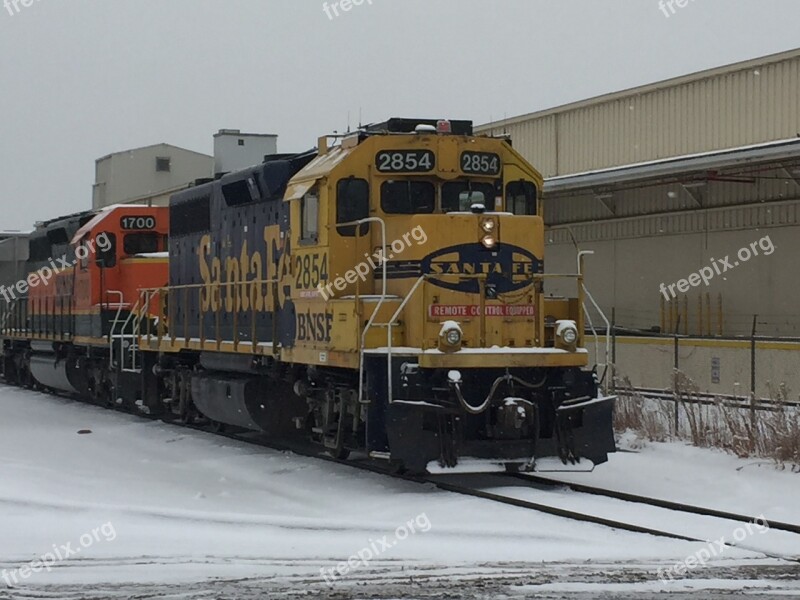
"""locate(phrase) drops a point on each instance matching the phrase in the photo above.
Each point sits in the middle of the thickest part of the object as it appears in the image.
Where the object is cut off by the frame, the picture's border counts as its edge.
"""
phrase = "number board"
(480, 163)
(139, 223)
(405, 161)
(312, 270)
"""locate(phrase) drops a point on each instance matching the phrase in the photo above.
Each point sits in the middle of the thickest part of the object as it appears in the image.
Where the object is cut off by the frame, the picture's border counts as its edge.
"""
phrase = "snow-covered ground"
(153, 509)
(700, 477)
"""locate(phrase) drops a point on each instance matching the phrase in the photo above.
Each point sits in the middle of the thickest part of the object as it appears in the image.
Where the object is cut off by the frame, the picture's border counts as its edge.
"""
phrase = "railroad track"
(667, 504)
(439, 482)
(496, 487)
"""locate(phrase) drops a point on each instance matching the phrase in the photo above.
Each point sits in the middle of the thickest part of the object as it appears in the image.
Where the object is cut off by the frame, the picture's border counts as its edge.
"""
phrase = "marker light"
(444, 126)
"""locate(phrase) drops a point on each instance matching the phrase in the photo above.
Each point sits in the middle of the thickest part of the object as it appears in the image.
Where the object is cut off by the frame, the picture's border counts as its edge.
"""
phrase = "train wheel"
(397, 467)
(338, 453)
(217, 427)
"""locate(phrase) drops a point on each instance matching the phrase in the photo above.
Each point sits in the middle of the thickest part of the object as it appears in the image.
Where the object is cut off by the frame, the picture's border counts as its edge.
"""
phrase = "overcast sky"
(83, 78)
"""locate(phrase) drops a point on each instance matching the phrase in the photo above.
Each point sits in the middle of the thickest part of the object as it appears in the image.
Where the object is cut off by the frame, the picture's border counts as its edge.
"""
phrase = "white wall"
(131, 175)
(235, 151)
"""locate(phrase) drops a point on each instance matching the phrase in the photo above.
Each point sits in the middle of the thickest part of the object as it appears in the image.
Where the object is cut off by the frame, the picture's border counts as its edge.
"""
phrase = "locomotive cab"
(120, 251)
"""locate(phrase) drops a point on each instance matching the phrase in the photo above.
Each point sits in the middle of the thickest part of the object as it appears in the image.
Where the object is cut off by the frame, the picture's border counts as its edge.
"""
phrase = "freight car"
(382, 294)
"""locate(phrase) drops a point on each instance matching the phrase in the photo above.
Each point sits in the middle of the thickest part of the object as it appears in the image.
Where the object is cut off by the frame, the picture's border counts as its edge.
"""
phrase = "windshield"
(521, 197)
(459, 196)
(408, 197)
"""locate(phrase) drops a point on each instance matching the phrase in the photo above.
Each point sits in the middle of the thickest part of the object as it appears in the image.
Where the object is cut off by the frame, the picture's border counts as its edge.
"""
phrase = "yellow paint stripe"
(706, 343)
(149, 261)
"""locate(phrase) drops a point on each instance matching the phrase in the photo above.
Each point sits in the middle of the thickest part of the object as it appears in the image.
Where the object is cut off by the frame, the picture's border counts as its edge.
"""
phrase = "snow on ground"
(152, 507)
(757, 537)
(700, 477)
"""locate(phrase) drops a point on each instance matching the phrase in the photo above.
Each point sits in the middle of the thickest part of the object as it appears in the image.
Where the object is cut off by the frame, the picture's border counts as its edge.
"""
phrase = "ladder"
(124, 339)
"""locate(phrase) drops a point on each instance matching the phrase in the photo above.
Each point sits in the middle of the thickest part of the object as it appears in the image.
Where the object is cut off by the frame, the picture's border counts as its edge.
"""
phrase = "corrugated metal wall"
(739, 105)
(772, 185)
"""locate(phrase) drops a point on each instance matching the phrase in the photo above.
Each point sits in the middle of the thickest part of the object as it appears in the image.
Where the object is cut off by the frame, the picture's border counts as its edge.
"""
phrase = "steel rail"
(659, 503)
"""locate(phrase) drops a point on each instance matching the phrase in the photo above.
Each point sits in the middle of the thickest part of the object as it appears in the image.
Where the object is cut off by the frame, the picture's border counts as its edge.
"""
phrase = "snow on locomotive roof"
(98, 218)
(152, 255)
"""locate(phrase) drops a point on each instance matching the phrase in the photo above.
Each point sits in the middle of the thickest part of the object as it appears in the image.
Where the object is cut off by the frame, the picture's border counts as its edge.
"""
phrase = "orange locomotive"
(76, 302)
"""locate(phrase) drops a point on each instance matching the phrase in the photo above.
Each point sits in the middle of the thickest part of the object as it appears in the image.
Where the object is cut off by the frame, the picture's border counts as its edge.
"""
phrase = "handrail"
(415, 287)
(119, 310)
(172, 329)
(581, 255)
(390, 324)
(375, 312)
(9, 309)
(373, 317)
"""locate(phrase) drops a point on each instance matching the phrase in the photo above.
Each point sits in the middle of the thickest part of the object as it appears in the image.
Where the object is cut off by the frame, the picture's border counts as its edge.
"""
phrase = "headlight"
(489, 241)
(566, 333)
(450, 337)
(570, 336)
(453, 337)
(488, 225)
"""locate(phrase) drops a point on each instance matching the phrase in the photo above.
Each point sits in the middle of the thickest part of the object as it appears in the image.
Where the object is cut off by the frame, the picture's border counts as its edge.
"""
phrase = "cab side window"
(309, 217)
(352, 204)
(521, 197)
(140, 243)
(82, 254)
(107, 257)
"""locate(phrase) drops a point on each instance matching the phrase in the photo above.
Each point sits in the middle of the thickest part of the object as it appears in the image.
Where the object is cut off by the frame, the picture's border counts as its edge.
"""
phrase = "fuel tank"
(53, 373)
(254, 403)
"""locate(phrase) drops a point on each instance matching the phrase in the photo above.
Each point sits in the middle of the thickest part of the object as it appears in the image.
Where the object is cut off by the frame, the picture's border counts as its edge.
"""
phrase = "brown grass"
(724, 424)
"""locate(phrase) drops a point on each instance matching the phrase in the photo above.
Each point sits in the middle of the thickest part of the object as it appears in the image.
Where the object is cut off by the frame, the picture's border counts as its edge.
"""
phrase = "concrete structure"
(234, 150)
(669, 179)
(13, 253)
(147, 175)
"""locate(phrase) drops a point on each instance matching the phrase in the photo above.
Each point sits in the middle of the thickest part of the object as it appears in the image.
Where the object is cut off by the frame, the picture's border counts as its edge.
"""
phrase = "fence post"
(700, 315)
(613, 385)
(685, 315)
(753, 379)
(675, 367)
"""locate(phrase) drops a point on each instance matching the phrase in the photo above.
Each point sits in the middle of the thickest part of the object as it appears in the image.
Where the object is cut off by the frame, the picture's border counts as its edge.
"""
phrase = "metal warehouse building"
(667, 179)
